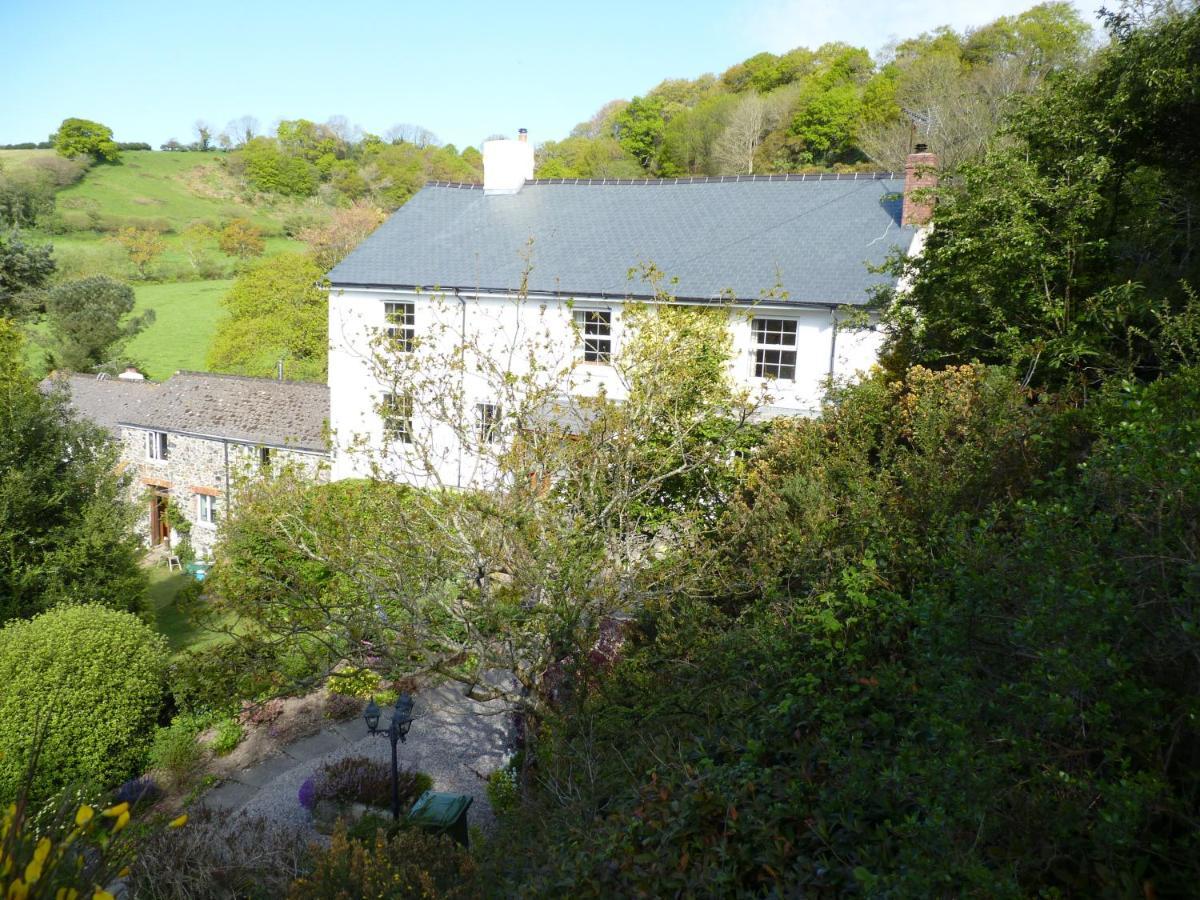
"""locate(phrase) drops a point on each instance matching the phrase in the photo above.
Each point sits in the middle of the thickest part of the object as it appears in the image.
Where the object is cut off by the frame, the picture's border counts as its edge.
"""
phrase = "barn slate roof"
(812, 236)
(104, 401)
(288, 414)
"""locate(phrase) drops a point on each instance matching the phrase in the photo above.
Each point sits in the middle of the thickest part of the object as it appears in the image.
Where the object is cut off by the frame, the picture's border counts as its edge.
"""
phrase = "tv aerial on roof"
(923, 119)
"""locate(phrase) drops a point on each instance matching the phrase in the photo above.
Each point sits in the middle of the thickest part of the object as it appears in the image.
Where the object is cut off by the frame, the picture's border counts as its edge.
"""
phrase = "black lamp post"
(402, 719)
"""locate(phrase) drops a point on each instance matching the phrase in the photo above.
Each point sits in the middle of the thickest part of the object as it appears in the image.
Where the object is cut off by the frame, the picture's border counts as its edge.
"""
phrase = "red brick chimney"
(920, 176)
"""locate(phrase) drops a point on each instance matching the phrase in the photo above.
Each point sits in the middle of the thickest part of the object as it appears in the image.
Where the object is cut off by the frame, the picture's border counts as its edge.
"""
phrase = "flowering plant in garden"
(308, 793)
(357, 779)
(78, 854)
(142, 789)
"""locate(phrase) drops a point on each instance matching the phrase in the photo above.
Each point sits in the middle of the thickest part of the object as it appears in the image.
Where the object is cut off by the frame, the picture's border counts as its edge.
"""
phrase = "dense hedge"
(91, 680)
(968, 667)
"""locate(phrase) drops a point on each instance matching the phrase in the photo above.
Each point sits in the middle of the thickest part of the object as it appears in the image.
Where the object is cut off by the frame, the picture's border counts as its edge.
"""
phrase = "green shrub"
(957, 679)
(361, 683)
(67, 847)
(407, 864)
(364, 830)
(228, 735)
(217, 678)
(503, 790)
(175, 749)
(94, 678)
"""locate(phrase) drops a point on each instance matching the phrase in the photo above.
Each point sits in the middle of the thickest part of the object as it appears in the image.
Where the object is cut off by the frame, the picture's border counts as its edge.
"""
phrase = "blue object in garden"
(198, 570)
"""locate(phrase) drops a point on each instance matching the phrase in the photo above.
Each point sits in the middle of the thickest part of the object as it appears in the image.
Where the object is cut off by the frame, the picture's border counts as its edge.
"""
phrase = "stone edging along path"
(456, 741)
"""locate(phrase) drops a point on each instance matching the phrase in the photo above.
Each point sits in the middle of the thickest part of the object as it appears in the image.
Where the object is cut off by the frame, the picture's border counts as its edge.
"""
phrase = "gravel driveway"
(454, 740)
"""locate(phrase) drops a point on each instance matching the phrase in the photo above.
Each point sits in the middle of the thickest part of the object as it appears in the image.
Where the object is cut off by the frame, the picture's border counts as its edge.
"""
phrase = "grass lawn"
(173, 623)
(185, 320)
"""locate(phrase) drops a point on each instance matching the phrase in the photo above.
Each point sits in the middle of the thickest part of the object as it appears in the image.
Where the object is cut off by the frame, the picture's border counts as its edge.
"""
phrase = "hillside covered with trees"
(831, 107)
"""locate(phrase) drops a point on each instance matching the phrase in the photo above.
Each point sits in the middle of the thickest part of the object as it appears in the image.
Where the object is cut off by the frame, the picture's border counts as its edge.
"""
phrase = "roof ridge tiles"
(689, 179)
(256, 379)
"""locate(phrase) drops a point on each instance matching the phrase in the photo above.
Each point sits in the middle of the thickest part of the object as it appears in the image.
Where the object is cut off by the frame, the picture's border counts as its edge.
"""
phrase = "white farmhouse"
(524, 272)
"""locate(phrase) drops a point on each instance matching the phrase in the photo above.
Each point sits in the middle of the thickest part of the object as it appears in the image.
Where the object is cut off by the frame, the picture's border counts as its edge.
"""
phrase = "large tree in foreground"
(66, 530)
(588, 510)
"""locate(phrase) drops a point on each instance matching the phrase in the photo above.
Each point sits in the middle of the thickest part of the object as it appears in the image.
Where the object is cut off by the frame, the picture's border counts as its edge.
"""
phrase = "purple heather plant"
(138, 790)
(308, 793)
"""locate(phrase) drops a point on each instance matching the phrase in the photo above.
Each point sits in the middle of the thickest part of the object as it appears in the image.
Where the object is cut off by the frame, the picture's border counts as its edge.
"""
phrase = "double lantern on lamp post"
(402, 719)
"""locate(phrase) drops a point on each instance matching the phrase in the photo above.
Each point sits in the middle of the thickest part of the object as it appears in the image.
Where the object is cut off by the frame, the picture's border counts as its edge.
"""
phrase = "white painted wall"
(520, 336)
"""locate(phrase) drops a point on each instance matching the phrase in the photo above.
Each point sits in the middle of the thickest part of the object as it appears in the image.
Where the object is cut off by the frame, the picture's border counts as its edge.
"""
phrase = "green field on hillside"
(186, 317)
(85, 253)
(185, 320)
(165, 192)
(11, 160)
(172, 189)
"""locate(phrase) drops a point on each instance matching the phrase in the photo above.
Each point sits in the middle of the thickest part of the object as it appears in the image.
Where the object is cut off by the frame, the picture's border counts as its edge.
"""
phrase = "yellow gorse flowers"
(50, 865)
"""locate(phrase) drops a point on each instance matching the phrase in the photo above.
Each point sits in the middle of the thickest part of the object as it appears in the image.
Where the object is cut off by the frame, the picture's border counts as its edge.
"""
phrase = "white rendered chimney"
(131, 374)
(507, 165)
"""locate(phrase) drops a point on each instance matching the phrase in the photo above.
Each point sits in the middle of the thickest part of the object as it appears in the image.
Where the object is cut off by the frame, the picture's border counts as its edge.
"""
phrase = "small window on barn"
(595, 327)
(396, 411)
(774, 348)
(402, 325)
(156, 445)
(206, 509)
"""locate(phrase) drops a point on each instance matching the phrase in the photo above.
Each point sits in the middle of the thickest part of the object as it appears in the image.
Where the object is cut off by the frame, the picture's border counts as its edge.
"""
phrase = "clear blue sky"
(464, 70)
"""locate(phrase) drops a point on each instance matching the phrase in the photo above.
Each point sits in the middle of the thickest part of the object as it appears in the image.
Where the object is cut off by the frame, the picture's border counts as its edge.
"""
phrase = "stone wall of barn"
(201, 466)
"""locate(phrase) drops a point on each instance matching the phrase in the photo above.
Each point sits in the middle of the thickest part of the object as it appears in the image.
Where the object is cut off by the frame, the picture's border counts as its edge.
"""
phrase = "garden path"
(454, 740)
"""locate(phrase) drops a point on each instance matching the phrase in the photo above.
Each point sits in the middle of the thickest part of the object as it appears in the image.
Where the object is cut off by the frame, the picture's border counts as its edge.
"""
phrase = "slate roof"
(812, 235)
(103, 401)
(289, 414)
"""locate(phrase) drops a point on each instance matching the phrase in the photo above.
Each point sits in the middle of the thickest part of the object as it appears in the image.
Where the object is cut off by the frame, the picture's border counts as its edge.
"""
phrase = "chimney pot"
(920, 178)
(522, 134)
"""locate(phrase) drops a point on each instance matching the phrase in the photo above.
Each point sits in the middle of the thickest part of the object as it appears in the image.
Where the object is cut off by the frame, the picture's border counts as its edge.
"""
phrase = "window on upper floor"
(595, 327)
(156, 445)
(402, 325)
(487, 422)
(396, 411)
(774, 348)
(206, 509)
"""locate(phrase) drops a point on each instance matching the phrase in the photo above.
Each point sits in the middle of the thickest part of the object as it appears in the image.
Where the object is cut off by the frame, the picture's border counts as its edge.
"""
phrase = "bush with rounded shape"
(93, 677)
